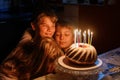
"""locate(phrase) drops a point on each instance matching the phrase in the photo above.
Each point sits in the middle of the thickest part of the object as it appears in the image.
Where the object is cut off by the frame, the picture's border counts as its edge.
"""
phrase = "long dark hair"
(31, 60)
(46, 54)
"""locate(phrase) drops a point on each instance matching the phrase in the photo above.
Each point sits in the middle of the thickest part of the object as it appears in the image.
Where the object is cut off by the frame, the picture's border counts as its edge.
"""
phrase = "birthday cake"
(84, 54)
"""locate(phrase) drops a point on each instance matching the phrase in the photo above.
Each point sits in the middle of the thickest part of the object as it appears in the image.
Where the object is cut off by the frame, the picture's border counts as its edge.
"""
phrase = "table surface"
(111, 68)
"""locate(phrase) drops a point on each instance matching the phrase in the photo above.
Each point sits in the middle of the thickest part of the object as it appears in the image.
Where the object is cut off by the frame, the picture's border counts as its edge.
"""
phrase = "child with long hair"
(36, 52)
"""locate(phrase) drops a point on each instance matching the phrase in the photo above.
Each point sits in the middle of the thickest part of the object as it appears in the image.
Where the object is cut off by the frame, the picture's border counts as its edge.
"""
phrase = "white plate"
(98, 63)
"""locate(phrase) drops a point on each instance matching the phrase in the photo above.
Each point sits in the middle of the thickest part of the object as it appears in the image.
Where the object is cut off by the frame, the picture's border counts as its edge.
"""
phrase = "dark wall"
(105, 23)
(10, 34)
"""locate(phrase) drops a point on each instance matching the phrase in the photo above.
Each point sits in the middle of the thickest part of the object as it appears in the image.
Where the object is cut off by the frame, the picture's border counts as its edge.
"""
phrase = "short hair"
(66, 23)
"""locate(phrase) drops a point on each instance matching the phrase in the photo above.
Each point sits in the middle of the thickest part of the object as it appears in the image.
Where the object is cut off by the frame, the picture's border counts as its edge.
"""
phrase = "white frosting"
(86, 50)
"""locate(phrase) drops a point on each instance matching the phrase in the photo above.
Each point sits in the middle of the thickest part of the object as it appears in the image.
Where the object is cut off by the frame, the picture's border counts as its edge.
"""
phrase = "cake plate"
(80, 73)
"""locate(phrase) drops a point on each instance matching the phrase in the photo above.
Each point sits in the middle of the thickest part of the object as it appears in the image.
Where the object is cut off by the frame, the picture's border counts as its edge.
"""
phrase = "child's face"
(64, 37)
(46, 27)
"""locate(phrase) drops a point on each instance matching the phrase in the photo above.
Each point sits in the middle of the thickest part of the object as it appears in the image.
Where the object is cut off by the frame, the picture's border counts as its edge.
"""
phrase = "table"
(111, 59)
(110, 66)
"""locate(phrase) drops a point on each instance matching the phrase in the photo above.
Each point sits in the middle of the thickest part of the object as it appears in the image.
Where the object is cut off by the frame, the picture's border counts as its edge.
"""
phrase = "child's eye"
(67, 34)
(43, 25)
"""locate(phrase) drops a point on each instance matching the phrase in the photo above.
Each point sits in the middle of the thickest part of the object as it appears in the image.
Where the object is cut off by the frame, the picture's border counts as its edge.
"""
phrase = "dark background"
(104, 18)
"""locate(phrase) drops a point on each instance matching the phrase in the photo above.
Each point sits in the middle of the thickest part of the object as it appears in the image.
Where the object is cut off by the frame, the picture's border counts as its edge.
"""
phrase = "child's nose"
(61, 37)
(50, 29)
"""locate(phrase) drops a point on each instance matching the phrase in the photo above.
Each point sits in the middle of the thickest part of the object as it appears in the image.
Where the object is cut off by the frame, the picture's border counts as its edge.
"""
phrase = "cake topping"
(84, 54)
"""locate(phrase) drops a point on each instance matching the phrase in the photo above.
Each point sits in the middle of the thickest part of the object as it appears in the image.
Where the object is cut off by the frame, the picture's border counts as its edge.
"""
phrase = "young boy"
(64, 34)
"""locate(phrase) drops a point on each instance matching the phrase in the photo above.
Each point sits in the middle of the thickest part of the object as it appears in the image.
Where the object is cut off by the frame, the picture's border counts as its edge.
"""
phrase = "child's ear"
(33, 26)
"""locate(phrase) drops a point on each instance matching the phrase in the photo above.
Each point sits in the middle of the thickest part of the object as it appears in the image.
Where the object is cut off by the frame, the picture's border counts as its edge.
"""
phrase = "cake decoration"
(85, 37)
(84, 54)
(82, 51)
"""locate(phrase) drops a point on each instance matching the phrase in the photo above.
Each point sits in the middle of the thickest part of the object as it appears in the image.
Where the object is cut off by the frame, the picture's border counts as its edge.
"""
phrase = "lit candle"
(88, 36)
(84, 36)
(79, 36)
(75, 37)
(91, 37)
